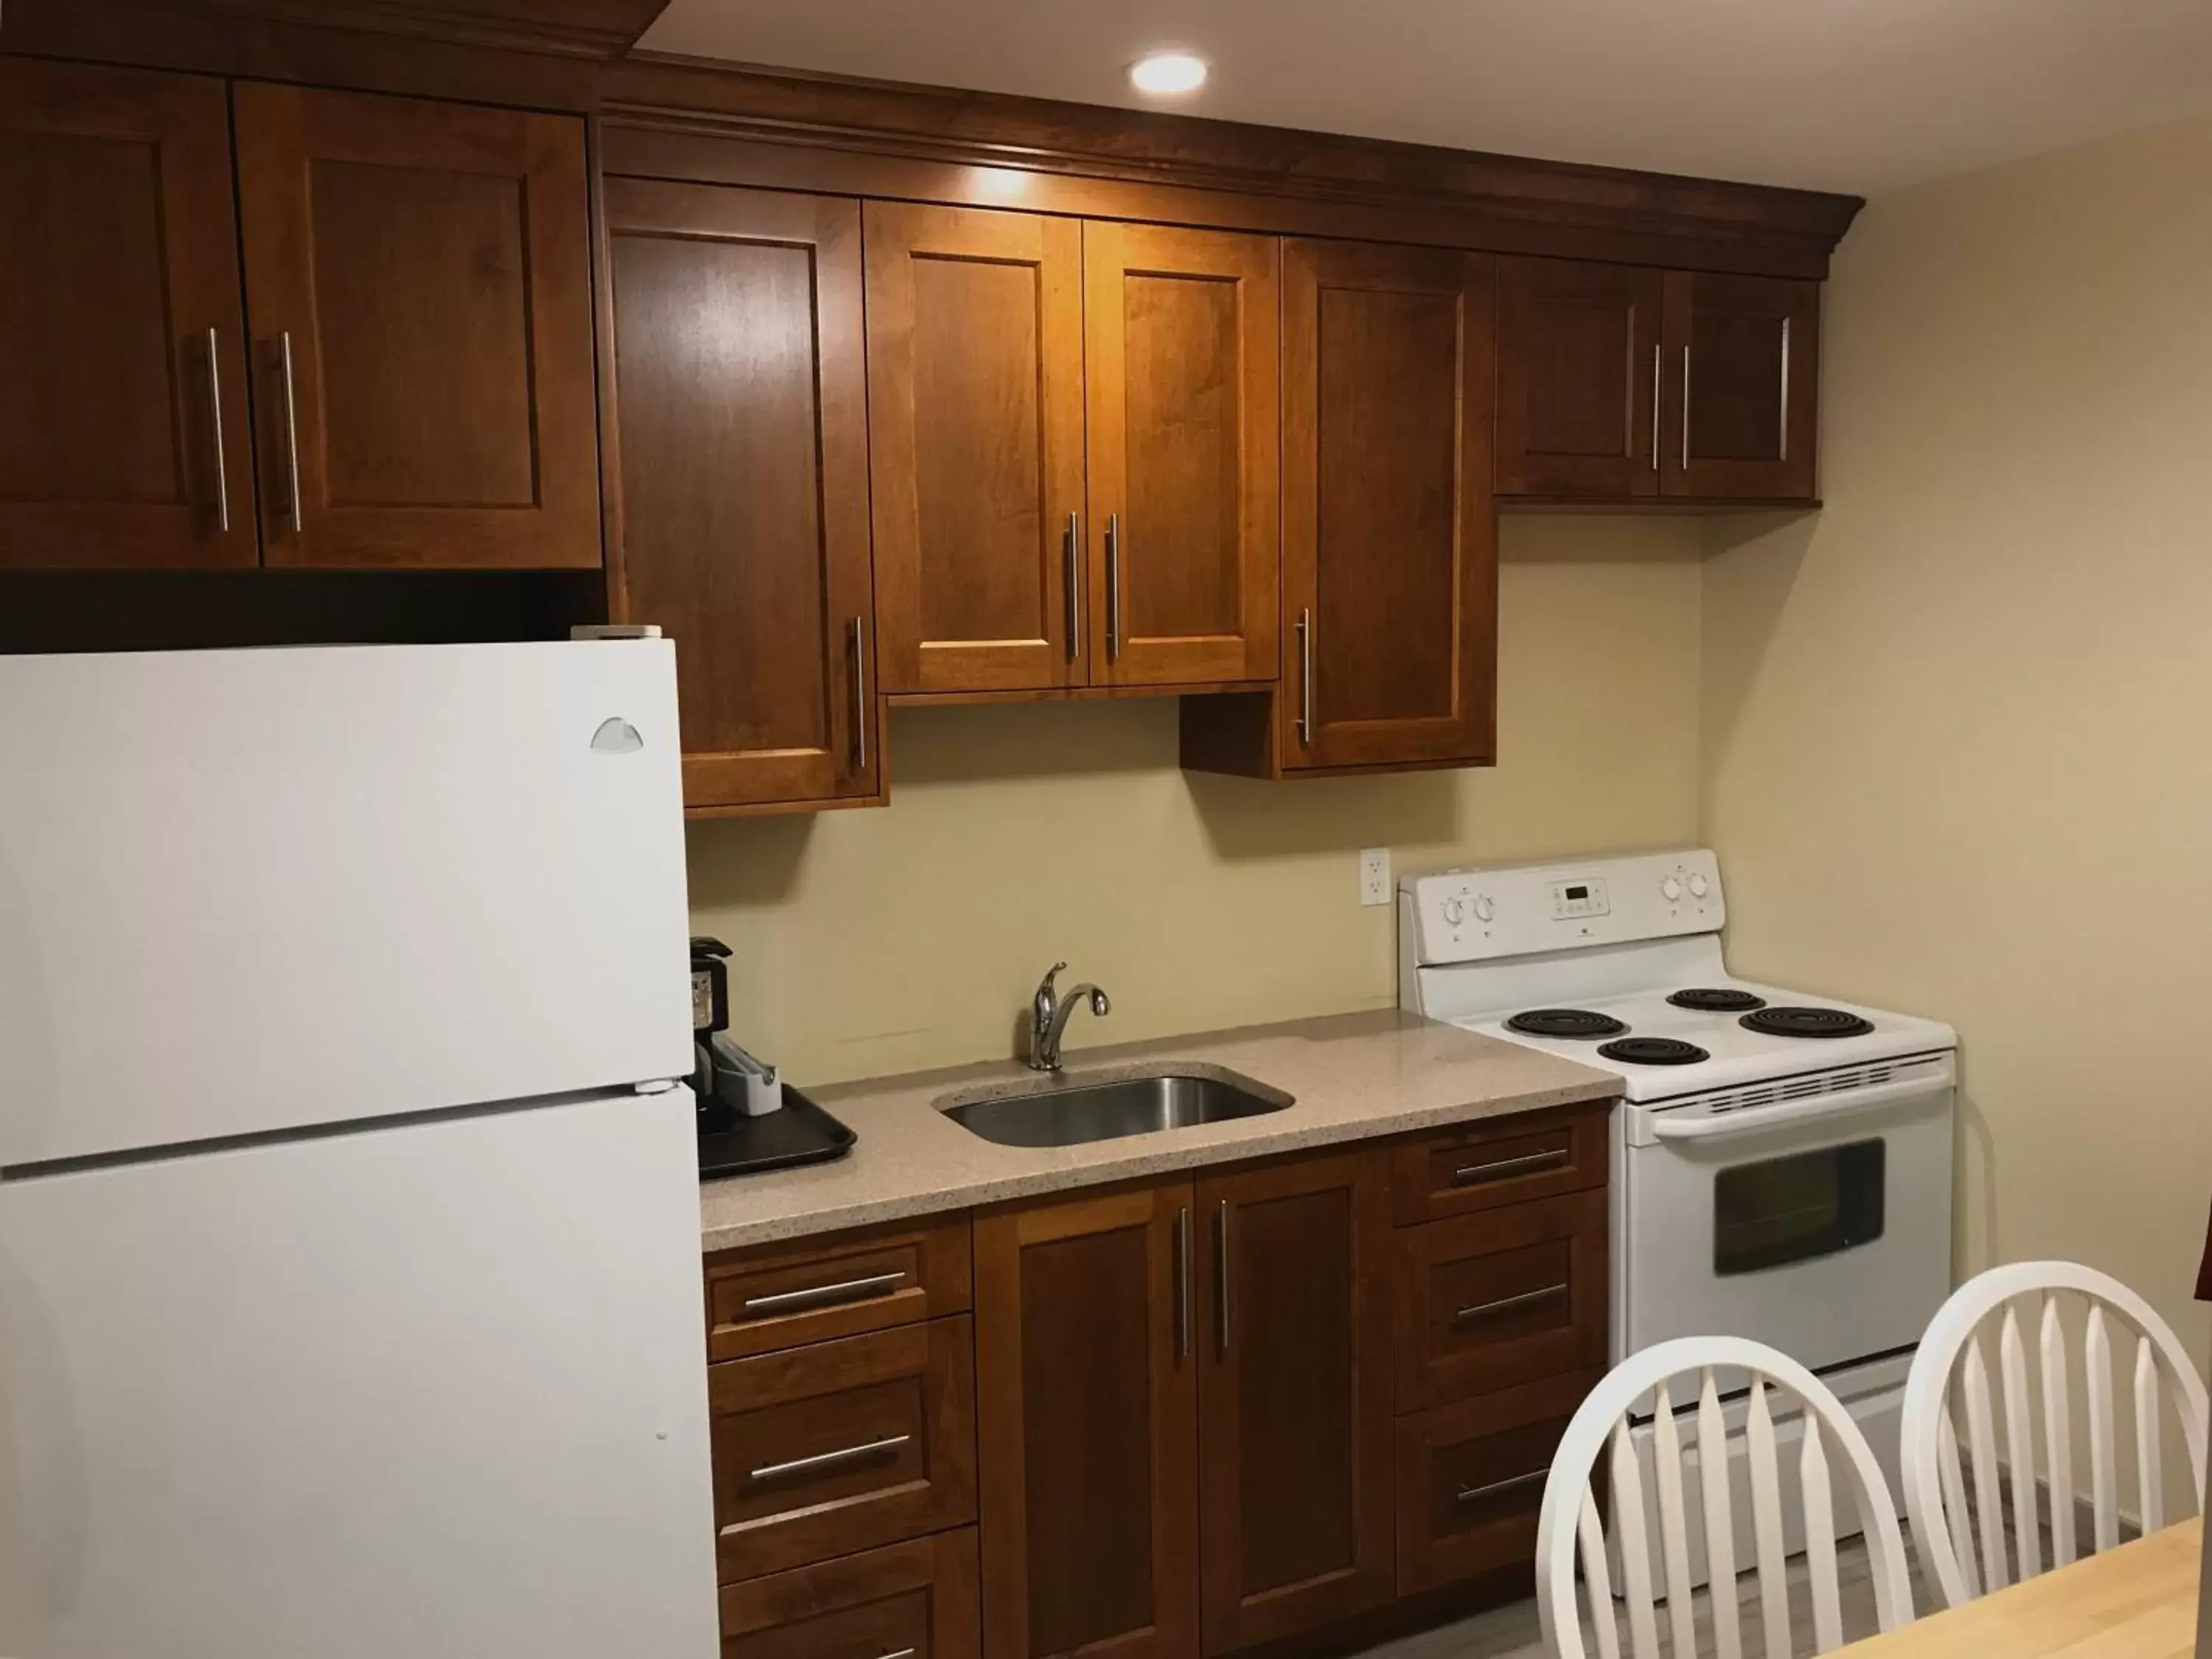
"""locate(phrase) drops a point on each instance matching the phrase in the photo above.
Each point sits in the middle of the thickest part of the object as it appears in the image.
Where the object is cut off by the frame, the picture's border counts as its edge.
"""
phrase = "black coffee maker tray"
(801, 1133)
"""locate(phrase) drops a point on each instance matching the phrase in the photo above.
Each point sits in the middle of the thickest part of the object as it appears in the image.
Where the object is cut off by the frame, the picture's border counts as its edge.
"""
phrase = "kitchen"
(1859, 706)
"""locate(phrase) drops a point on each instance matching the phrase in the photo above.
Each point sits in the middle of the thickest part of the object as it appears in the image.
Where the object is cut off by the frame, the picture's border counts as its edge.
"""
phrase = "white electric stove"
(1781, 1162)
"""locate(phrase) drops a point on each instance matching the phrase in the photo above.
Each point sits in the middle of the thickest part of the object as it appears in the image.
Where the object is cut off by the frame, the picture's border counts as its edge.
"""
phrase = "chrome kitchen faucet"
(1049, 1014)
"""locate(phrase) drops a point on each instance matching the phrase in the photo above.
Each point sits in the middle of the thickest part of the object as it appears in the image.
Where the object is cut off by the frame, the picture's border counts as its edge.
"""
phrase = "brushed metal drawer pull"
(1511, 1483)
(1114, 586)
(1305, 679)
(903, 1653)
(1686, 408)
(1505, 1166)
(823, 1295)
(1504, 1304)
(215, 420)
(1783, 454)
(294, 508)
(1071, 573)
(1183, 1283)
(1655, 397)
(829, 1459)
(860, 687)
(1221, 1278)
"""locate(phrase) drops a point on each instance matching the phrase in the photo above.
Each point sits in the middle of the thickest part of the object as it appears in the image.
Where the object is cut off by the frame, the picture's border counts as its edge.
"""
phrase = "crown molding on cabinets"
(683, 118)
(495, 51)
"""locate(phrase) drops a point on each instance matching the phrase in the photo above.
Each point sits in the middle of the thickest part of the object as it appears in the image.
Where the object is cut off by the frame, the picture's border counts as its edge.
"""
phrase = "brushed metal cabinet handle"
(1656, 350)
(1305, 679)
(1526, 1299)
(1686, 408)
(860, 687)
(1511, 1483)
(214, 425)
(1785, 389)
(903, 1653)
(1183, 1283)
(294, 511)
(823, 1460)
(824, 1295)
(1071, 552)
(1505, 1166)
(1113, 586)
(1221, 1278)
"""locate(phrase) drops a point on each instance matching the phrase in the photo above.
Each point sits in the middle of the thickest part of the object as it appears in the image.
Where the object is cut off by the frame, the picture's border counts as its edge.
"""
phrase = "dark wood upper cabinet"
(1738, 414)
(975, 440)
(1295, 1419)
(1086, 1372)
(1578, 355)
(418, 283)
(1389, 538)
(1184, 384)
(125, 439)
(743, 467)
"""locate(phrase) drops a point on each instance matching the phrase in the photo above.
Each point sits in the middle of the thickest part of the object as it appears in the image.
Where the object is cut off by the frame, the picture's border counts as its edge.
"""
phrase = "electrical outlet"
(1375, 875)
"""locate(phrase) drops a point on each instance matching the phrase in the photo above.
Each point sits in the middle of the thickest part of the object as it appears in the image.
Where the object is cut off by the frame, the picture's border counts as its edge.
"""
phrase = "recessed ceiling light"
(1168, 73)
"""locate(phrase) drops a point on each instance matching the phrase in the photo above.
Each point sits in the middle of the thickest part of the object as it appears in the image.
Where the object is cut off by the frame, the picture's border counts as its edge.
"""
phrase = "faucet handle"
(1046, 990)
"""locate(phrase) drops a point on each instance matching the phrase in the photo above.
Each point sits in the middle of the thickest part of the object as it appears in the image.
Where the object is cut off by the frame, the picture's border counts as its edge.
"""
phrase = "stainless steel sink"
(1069, 1111)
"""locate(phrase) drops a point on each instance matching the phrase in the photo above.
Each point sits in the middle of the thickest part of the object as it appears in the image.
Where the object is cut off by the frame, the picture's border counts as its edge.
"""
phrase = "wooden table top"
(2138, 1602)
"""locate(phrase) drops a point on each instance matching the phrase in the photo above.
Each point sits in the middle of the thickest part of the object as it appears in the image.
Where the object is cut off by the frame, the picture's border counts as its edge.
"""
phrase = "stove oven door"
(1819, 1224)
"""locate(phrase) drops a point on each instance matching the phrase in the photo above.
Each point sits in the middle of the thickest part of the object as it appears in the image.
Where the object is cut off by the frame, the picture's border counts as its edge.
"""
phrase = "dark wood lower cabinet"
(1243, 1411)
(1294, 1395)
(1471, 1478)
(917, 1599)
(1500, 1298)
(841, 1446)
(1087, 1381)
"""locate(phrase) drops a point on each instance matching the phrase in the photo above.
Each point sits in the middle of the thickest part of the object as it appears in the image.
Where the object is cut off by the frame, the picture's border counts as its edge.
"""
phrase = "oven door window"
(1798, 1208)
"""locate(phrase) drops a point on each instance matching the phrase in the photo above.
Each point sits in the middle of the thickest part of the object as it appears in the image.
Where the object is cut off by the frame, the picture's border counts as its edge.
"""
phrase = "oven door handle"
(1756, 1119)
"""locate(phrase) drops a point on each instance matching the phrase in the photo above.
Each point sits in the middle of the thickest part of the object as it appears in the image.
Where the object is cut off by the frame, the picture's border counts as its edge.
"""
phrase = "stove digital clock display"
(1579, 898)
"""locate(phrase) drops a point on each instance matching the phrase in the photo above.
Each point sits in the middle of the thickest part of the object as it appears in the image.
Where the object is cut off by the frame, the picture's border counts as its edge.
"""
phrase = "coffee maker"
(728, 1081)
(748, 1120)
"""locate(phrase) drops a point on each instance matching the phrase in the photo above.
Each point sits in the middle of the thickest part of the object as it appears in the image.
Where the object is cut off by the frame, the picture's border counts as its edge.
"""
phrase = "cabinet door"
(1738, 420)
(124, 440)
(1578, 377)
(1182, 382)
(975, 445)
(1389, 542)
(1294, 1396)
(742, 414)
(418, 280)
(1087, 1375)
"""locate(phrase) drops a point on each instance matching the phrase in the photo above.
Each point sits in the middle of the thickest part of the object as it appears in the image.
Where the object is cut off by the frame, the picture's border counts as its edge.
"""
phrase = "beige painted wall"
(869, 942)
(1954, 742)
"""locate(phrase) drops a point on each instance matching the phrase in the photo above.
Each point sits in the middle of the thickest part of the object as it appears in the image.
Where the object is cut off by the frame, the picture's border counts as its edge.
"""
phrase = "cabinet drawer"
(782, 1296)
(1502, 1297)
(1471, 1478)
(1504, 1161)
(918, 1600)
(823, 1451)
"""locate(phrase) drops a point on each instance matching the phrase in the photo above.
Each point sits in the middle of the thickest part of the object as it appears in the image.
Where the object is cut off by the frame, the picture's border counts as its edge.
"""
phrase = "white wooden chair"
(1951, 1356)
(1601, 1428)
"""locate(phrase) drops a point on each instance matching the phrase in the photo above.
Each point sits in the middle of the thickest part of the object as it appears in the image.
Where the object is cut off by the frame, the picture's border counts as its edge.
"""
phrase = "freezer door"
(251, 891)
(434, 1390)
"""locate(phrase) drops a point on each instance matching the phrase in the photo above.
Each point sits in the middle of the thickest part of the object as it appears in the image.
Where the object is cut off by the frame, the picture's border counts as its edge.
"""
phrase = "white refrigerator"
(350, 1276)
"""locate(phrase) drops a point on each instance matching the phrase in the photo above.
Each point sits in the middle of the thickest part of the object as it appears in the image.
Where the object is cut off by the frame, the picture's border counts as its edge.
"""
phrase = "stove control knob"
(1454, 912)
(1484, 909)
(1670, 889)
(1700, 886)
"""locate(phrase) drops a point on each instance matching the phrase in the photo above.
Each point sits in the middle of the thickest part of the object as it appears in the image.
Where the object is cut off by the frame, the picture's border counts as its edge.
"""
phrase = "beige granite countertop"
(1353, 1076)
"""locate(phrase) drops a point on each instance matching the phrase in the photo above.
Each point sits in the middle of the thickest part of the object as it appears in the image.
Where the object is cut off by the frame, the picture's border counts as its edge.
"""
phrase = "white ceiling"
(1858, 95)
